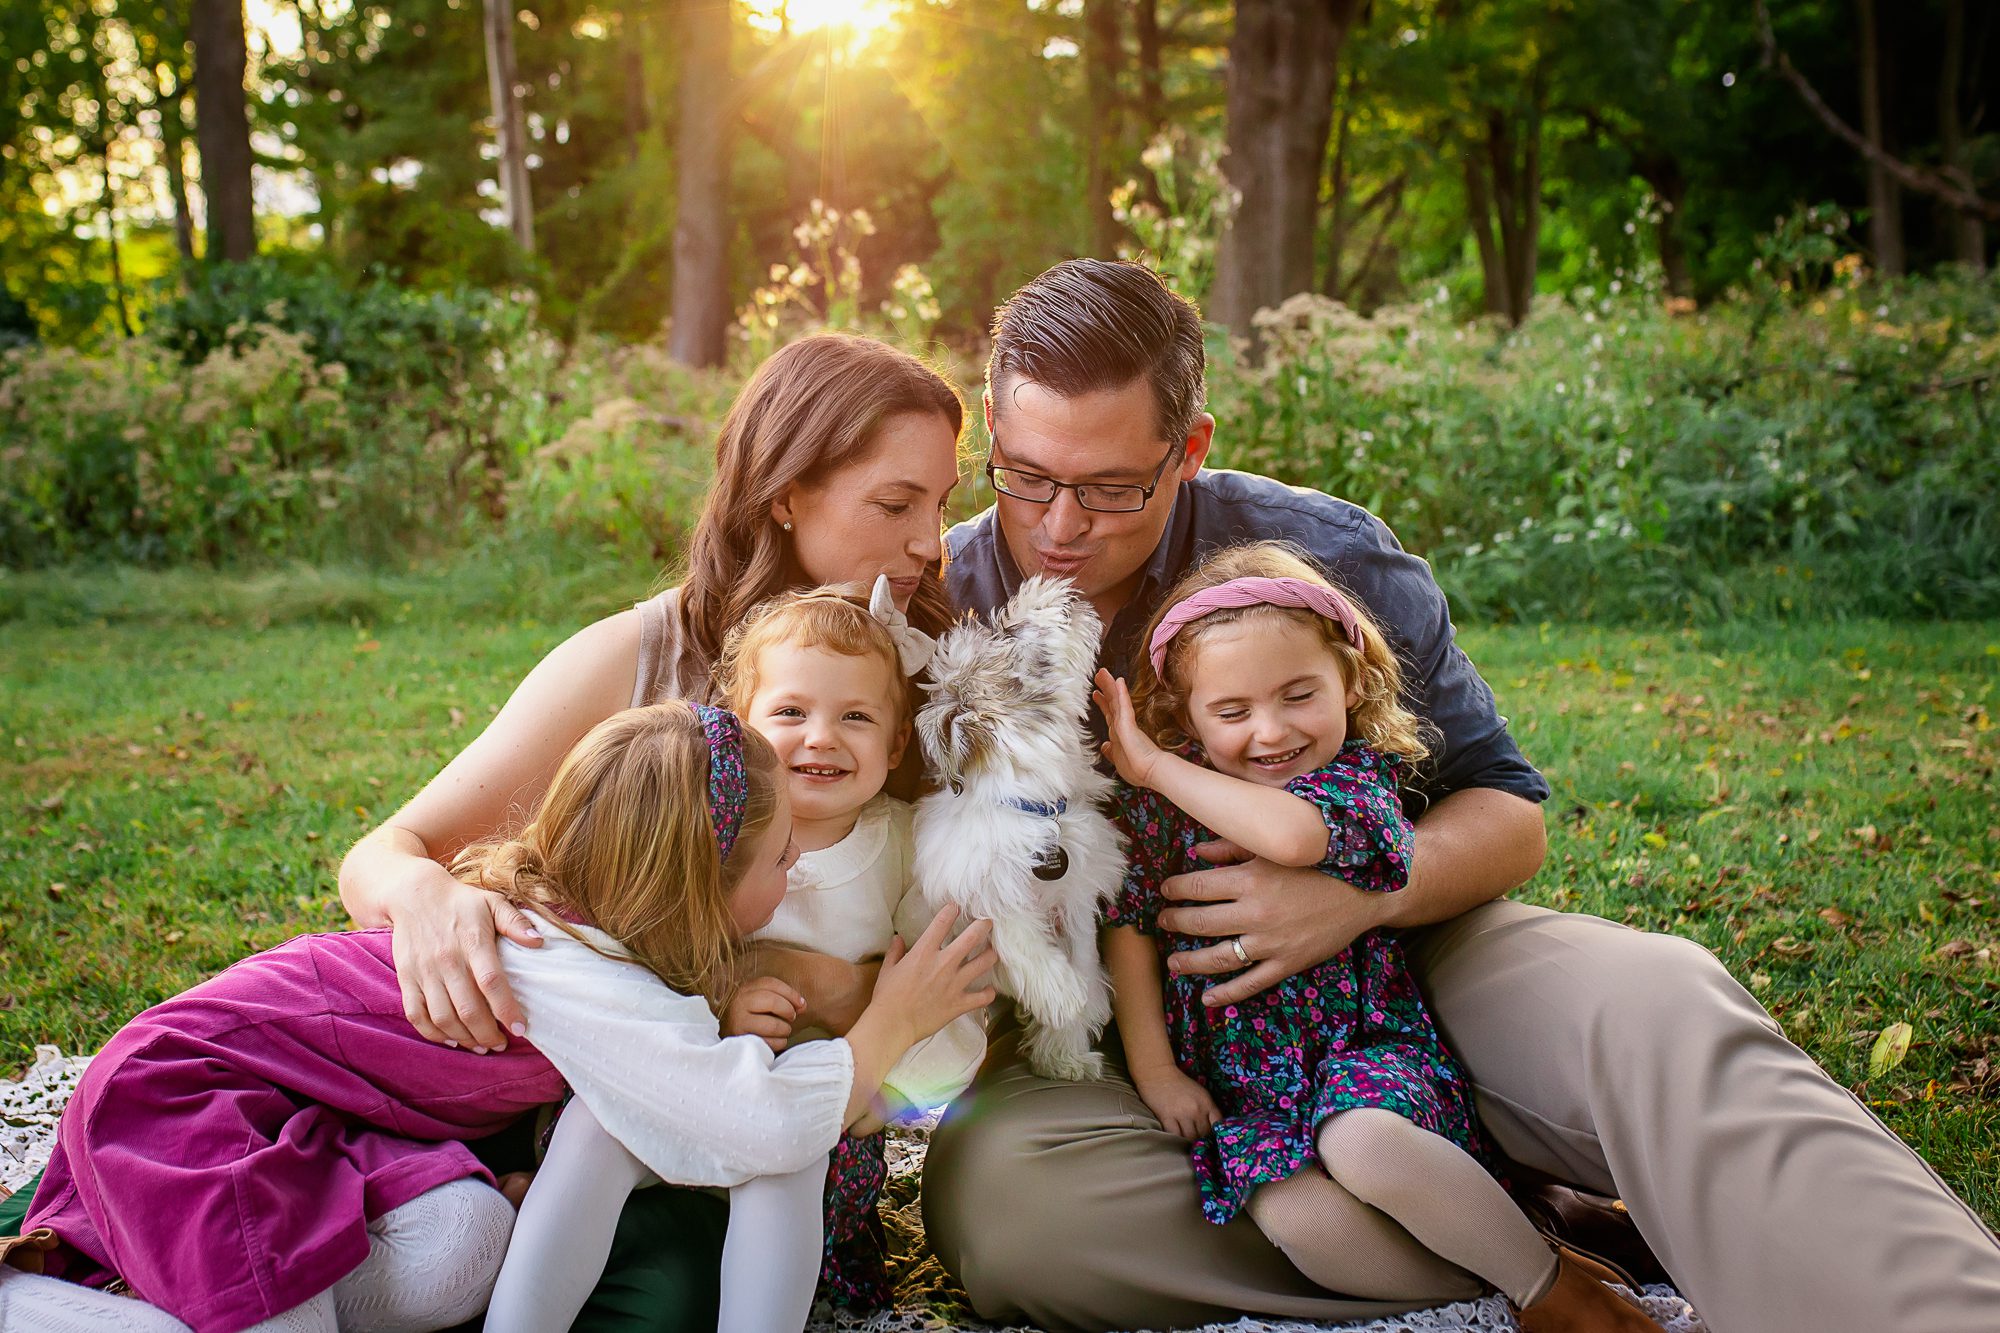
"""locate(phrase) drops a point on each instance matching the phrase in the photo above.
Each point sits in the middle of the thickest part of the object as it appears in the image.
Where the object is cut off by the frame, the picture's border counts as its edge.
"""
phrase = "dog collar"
(1046, 809)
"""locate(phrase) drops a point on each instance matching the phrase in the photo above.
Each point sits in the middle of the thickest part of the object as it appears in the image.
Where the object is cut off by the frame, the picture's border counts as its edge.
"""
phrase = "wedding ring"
(1241, 957)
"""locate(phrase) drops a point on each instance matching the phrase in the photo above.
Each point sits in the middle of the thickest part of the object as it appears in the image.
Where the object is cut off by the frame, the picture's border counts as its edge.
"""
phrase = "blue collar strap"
(1046, 809)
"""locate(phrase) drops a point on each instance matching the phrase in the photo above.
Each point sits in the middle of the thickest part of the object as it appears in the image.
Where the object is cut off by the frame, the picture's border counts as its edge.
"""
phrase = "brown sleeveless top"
(668, 668)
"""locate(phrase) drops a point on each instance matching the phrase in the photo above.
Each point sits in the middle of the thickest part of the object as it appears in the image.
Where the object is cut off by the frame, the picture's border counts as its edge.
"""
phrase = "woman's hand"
(1182, 1104)
(765, 1007)
(1131, 751)
(928, 984)
(447, 953)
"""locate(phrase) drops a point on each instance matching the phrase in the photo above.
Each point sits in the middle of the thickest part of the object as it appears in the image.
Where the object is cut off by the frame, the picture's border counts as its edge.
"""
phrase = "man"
(1625, 1062)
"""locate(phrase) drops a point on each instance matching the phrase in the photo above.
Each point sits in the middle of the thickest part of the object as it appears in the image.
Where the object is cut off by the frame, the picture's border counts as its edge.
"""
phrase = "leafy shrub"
(1822, 444)
(1830, 450)
(233, 431)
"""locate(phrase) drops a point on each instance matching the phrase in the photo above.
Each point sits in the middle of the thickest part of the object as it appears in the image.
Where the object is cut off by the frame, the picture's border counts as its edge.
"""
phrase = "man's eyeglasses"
(1098, 497)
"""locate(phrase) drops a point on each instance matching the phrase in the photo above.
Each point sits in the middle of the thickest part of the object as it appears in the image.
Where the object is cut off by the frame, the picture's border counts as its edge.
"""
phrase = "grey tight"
(1396, 1211)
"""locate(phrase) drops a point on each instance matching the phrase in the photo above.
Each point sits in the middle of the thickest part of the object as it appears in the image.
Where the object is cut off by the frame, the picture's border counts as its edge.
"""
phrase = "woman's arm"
(445, 932)
(1265, 821)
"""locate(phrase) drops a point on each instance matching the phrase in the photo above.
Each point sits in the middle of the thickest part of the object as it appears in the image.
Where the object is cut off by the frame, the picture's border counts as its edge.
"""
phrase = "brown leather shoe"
(1595, 1226)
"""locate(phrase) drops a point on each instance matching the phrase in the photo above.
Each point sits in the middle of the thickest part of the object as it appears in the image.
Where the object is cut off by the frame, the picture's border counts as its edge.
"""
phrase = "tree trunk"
(508, 130)
(1968, 233)
(1670, 188)
(109, 205)
(1284, 59)
(1152, 98)
(1479, 212)
(222, 127)
(1336, 204)
(636, 120)
(1102, 56)
(701, 159)
(1504, 193)
(1885, 200)
(173, 148)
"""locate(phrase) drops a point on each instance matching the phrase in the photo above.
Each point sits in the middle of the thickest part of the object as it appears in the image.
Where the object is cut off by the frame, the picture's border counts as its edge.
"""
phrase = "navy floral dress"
(854, 1272)
(1351, 1032)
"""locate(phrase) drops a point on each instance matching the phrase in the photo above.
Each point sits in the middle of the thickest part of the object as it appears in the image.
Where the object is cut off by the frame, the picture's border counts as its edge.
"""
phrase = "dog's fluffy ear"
(968, 739)
(1053, 629)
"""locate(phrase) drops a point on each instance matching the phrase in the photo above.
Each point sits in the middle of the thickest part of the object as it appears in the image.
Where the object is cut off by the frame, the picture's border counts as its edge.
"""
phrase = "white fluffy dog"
(1016, 835)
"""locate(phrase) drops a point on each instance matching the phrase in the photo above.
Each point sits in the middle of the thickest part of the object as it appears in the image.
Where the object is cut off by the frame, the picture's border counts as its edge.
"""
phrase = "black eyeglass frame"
(1145, 492)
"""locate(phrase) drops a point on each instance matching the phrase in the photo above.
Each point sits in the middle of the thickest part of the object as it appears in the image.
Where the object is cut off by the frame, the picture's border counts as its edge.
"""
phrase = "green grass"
(183, 760)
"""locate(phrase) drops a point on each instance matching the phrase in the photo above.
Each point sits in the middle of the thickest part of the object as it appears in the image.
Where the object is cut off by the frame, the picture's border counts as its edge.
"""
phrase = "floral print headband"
(728, 784)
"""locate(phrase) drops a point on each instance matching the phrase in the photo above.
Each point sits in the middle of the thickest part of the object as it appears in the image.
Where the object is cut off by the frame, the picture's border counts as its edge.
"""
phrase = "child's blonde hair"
(1380, 717)
(833, 618)
(624, 839)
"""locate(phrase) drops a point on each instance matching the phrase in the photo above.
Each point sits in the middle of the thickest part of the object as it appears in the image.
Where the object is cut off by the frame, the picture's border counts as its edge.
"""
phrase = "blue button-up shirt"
(1221, 508)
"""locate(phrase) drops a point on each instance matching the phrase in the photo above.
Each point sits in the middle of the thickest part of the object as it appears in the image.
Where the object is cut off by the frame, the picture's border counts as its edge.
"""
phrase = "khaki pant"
(1625, 1062)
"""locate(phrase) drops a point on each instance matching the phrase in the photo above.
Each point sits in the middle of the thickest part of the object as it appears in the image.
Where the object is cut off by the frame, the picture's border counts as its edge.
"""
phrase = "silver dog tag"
(1052, 864)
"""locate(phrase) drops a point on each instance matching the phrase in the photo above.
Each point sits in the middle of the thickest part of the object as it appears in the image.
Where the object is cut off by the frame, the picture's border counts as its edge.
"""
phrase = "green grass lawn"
(184, 766)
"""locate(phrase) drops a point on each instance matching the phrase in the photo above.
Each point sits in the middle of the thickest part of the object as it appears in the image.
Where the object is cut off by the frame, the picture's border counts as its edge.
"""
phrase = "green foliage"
(1609, 460)
(1823, 445)
(273, 413)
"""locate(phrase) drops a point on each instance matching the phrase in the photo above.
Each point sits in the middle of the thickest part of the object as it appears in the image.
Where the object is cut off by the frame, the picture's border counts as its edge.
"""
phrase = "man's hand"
(835, 990)
(1286, 918)
(765, 1007)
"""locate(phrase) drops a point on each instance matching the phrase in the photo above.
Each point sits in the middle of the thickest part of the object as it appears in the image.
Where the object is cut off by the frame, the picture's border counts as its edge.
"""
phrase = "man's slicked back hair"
(1088, 325)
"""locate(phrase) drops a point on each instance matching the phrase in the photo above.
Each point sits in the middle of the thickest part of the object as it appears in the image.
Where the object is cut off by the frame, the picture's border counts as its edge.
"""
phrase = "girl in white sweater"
(825, 678)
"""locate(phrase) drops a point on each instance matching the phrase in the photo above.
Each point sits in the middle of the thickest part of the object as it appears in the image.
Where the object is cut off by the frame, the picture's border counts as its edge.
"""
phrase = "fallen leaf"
(175, 936)
(1889, 1049)
(1955, 949)
(1836, 918)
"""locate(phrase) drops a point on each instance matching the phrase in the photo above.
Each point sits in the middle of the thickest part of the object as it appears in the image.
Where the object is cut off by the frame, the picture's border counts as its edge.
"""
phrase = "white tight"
(1396, 1211)
(770, 1256)
(431, 1264)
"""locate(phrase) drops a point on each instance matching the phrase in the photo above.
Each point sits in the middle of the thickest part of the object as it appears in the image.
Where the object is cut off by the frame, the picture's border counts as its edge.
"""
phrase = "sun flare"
(860, 18)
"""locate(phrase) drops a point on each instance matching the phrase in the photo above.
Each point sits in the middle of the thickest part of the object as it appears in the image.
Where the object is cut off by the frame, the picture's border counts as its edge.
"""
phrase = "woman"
(834, 465)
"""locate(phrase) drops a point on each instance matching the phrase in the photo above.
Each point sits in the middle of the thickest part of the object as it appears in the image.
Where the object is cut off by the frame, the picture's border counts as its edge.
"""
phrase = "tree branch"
(1923, 182)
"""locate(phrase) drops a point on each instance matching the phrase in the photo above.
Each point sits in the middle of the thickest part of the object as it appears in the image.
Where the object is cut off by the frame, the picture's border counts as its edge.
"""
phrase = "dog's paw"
(1063, 1053)
(1068, 1067)
(1049, 990)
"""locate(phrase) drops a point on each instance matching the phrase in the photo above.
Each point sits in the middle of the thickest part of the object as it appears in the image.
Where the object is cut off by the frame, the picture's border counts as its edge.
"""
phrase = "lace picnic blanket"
(926, 1299)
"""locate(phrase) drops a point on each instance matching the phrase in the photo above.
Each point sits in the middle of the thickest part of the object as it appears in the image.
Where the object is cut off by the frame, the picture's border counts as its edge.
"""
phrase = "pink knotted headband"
(1237, 593)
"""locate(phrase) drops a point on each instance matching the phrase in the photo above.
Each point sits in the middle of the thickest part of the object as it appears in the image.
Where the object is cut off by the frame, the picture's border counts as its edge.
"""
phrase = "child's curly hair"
(624, 839)
(1380, 718)
(835, 618)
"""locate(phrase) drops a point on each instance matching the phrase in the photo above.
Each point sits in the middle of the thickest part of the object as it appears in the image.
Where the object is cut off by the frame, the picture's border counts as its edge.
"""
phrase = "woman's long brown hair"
(814, 406)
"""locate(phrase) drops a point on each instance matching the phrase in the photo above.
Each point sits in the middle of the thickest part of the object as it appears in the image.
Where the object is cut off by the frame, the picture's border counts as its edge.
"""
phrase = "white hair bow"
(913, 646)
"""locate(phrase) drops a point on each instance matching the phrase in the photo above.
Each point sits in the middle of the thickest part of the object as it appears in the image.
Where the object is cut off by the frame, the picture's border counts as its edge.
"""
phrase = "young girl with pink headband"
(1326, 1106)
